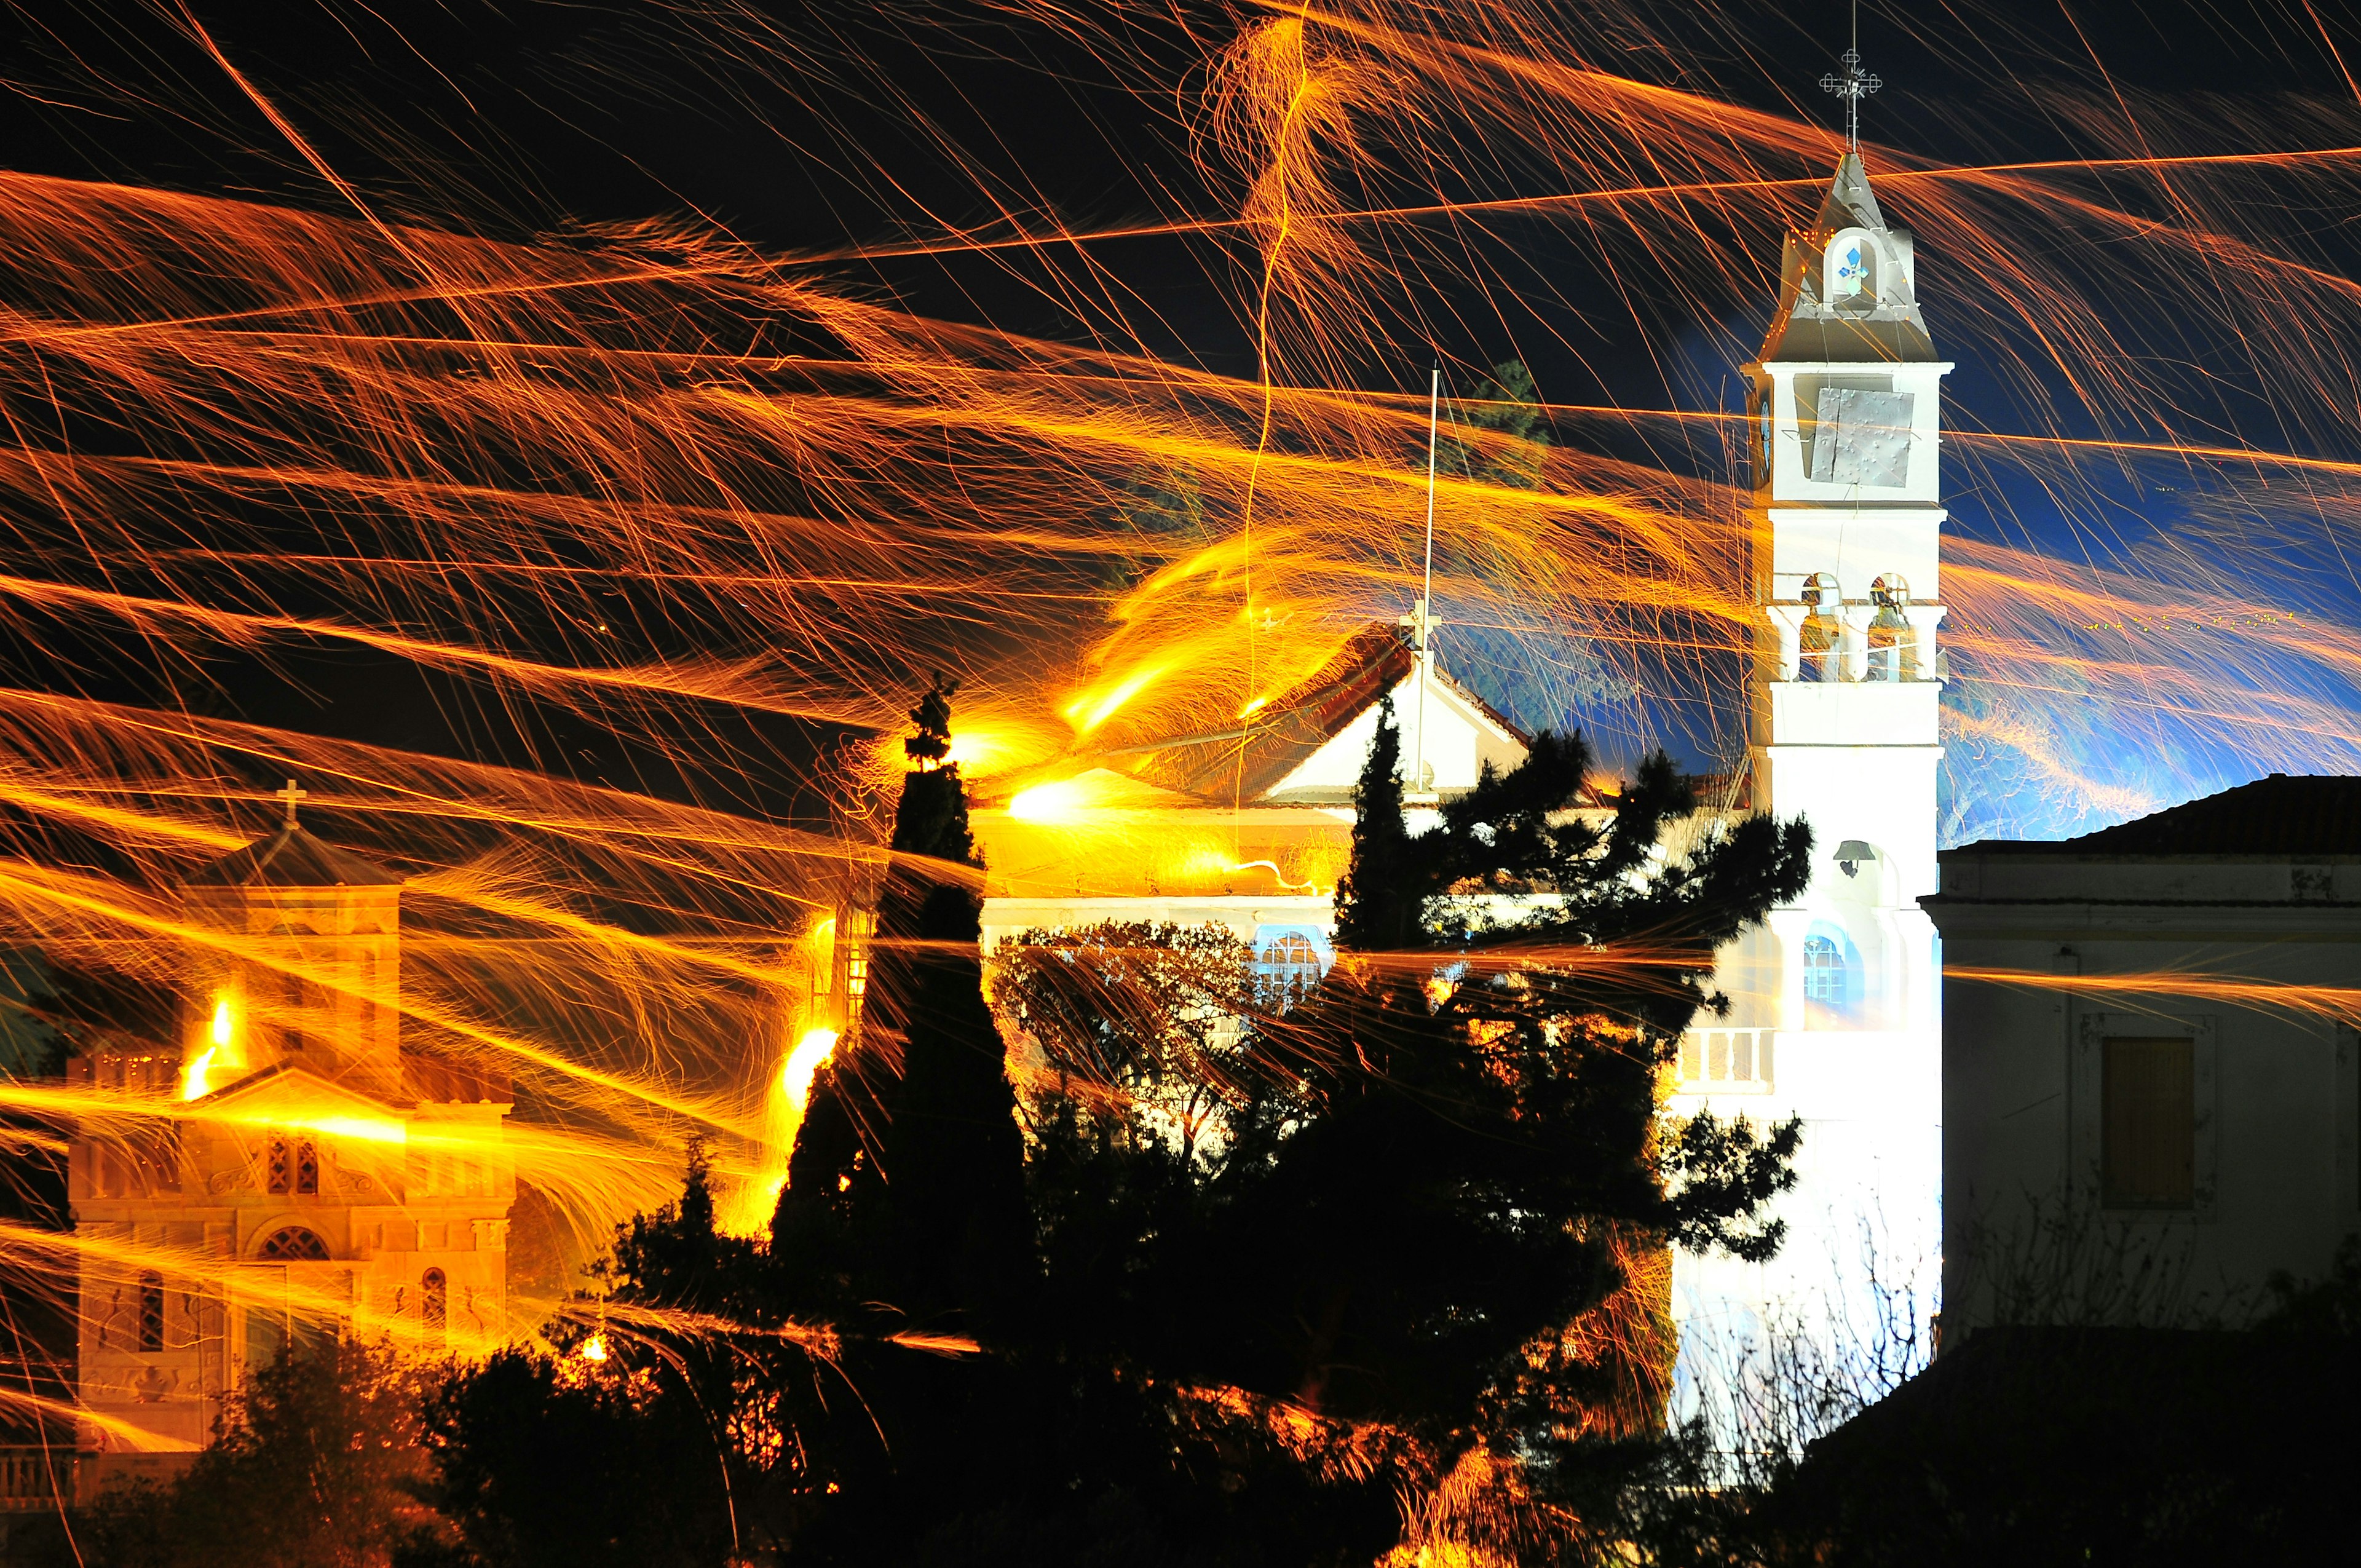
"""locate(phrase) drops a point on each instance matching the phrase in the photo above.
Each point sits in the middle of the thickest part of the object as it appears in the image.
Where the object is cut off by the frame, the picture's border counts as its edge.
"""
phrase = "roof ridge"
(292, 856)
(2279, 813)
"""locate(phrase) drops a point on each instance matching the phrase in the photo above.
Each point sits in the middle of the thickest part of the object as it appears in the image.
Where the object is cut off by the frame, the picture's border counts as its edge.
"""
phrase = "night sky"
(806, 128)
(809, 128)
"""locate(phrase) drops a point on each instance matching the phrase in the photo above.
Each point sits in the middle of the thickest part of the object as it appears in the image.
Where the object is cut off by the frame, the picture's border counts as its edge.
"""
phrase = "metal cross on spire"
(1852, 86)
(291, 794)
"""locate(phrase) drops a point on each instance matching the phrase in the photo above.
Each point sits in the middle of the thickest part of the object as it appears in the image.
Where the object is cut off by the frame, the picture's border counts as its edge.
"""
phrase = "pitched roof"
(1849, 203)
(292, 858)
(2281, 814)
(1256, 758)
(426, 1080)
(318, 1090)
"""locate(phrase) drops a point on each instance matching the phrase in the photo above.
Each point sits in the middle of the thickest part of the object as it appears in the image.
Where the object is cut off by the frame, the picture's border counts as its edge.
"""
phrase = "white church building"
(1835, 1014)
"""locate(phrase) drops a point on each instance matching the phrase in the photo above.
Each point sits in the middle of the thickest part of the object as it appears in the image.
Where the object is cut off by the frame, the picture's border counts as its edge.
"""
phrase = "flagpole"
(1426, 590)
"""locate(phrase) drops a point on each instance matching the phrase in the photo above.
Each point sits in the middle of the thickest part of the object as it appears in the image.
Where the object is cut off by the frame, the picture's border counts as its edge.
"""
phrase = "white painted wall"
(1857, 759)
(1460, 737)
(2279, 1184)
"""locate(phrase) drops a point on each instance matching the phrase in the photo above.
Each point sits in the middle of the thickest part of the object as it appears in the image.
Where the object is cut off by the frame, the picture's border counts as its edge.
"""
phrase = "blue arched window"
(1832, 979)
(1824, 971)
(1289, 963)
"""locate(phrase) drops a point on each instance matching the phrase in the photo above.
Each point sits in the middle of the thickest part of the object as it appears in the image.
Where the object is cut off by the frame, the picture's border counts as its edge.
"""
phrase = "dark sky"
(797, 126)
(806, 127)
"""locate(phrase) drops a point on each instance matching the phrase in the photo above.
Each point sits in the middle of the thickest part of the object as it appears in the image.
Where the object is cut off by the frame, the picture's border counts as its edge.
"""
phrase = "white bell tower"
(1836, 1007)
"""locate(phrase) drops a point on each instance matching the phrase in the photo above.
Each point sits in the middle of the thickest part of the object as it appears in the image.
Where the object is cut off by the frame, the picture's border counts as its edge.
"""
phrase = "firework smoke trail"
(661, 480)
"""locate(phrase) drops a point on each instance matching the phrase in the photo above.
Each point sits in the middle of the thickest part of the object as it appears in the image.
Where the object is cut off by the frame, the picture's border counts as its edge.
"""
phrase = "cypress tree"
(1376, 906)
(952, 1156)
(905, 1184)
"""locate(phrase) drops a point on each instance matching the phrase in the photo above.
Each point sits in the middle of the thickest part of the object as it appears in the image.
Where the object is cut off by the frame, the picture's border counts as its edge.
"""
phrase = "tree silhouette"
(1393, 1234)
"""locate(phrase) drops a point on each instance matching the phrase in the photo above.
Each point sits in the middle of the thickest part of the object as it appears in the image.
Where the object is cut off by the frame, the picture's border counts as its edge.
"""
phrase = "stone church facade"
(295, 1168)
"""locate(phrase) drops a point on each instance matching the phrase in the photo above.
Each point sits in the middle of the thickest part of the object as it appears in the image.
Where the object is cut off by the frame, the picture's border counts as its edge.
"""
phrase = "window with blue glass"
(1824, 971)
(1289, 964)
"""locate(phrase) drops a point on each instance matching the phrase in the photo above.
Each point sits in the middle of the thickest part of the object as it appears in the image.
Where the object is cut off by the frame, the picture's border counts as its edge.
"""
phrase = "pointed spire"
(1849, 203)
(1857, 306)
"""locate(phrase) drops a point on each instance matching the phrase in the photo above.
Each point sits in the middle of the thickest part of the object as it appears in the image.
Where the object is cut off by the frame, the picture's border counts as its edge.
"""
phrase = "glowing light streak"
(41, 885)
(1894, 168)
(554, 476)
(796, 1076)
(2333, 1002)
(1273, 867)
(750, 1209)
(1090, 713)
(1057, 802)
(708, 679)
(129, 1433)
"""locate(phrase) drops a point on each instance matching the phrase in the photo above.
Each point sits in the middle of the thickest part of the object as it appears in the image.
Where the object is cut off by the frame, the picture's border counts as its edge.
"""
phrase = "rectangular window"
(2147, 1135)
(151, 1312)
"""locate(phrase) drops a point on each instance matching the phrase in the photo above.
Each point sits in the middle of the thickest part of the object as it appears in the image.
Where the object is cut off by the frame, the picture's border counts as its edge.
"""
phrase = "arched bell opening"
(1820, 639)
(1852, 267)
(1892, 645)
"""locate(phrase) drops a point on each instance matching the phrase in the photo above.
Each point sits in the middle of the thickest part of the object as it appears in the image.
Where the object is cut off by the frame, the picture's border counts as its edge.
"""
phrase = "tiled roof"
(1286, 734)
(292, 858)
(1290, 730)
(2281, 814)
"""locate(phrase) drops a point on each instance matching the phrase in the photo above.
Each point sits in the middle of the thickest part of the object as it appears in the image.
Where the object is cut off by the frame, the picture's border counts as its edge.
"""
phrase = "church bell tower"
(1836, 1015)
(1845, 421)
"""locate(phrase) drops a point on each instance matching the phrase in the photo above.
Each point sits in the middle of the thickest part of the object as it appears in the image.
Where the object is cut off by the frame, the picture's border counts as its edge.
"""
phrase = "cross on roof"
(291, 794)
(1852, 86)
(1421, 623)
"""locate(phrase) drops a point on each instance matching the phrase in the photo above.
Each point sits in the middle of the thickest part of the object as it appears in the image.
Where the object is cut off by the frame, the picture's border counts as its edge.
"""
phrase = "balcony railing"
(1726, 1061)
(32, 1480)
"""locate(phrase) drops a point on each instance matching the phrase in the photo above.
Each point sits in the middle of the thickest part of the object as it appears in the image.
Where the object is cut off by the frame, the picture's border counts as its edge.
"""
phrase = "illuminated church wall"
(316, 1173)
(1105, 846)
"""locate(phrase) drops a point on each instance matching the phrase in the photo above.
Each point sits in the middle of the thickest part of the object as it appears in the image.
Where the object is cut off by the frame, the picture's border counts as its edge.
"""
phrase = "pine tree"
(1453, 1151)
(1486, 1081)
(1250, 1346)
